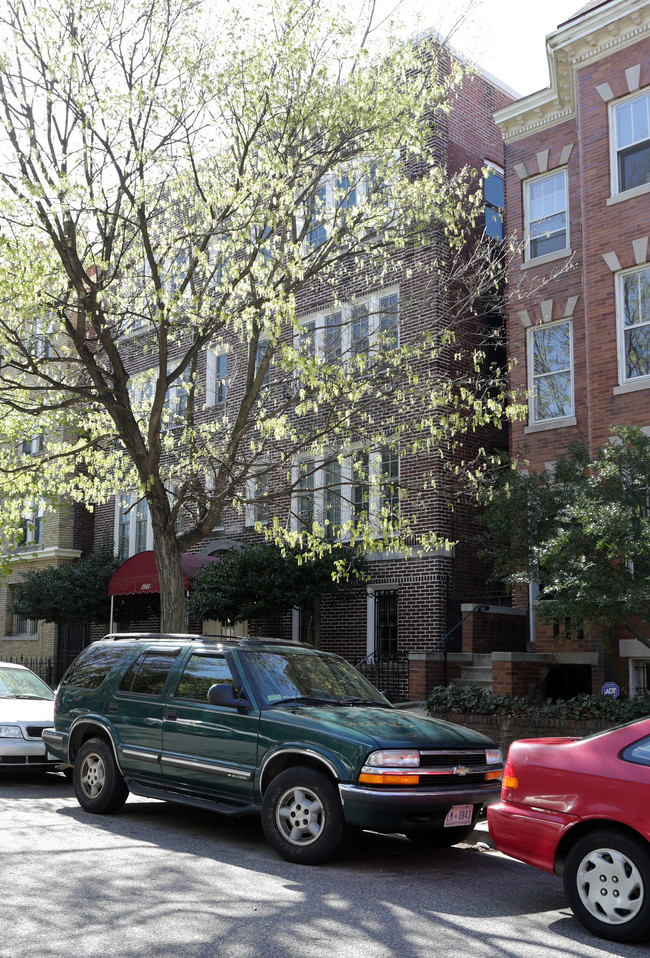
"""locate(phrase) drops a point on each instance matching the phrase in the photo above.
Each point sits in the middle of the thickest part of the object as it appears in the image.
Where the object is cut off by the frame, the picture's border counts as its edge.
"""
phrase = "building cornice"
(584, 39)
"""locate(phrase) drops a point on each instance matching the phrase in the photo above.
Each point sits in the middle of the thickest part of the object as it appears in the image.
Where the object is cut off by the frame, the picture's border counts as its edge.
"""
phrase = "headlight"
(493, 756)
(10, 731)
(393, 758)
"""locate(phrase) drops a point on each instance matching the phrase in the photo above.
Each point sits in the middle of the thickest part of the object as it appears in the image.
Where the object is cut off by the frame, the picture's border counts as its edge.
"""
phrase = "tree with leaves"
(262, 581)
(176, 179)
(581, 530)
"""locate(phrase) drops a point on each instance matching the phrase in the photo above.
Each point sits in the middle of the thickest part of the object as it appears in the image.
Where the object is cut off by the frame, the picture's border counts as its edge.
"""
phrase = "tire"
(98, 785)
(302, 816)
(440, 837)
(607, 882)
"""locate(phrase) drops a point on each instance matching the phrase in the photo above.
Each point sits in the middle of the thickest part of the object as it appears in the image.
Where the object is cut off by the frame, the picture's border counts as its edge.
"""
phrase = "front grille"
(451, 758)
(35, 731)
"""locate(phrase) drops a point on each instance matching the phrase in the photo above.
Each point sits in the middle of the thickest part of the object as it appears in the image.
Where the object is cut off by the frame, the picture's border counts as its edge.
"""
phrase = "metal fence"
(389, 674)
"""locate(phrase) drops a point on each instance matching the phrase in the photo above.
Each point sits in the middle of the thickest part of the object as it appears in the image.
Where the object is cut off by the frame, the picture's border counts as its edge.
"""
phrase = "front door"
(208, 748)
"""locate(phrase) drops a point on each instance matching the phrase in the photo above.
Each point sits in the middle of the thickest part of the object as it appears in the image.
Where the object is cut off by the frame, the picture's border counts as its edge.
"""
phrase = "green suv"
(262, 725)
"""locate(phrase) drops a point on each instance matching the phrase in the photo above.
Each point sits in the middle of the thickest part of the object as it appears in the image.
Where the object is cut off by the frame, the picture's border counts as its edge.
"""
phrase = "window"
(92, 666)
(546, 214)
(133, 531)
(40, 346)
(261, 501)
(216, 378)
(368, 327)
(550, 371)
(317, 233)
(33, 446)
(353, 487)
(633, 309)
(630, 135)
(148, 674)
(176, 401)
(200, 674)
(389, 483)
(494, 202)
(31, 526)
(305, 497)
(262, 347)
(360, 329)
(386, 632)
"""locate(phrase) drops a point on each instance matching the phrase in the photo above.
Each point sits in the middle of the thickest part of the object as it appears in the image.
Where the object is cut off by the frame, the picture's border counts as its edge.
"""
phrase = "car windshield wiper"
(26, 695)
(378, 703)
(306, 700)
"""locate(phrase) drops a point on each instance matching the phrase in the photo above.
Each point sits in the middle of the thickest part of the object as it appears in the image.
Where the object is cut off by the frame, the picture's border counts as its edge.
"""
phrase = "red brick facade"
(600, 62)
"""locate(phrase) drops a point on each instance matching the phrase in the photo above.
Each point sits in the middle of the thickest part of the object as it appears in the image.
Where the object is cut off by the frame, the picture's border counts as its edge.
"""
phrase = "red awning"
(139, 575)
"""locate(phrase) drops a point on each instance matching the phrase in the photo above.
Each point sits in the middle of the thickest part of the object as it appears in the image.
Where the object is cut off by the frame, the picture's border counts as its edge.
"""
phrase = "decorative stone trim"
(521, 171)
(640, 247)
(633, 77)
(605, 91)
(542, 161)
(612, 261)
(547, 310)
(551, 424)
(524, 318)
(565, 154)
(571, 304)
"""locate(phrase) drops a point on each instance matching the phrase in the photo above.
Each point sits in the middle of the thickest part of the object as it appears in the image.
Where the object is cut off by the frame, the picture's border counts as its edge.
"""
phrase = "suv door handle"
(113, 707)
(171, 714)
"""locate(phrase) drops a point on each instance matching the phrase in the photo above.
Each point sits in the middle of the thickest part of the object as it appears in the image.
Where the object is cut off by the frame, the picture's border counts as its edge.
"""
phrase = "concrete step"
(465, 683)
(482, 661)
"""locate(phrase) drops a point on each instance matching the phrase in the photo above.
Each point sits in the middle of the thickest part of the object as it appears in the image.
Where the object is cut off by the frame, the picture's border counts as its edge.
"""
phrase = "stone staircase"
(478, 673)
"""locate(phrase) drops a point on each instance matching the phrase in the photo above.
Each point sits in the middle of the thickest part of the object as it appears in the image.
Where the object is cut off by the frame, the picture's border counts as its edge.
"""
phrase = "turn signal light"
(491, 776)
(509, 778)
(386, 779)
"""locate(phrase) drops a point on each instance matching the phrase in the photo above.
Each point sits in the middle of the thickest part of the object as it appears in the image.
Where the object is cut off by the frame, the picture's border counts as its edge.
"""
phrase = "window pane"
(552, 350)
(316, 235)
(552, 397)
(92, 666)
(333, 337)
(547, 215)
(389, 319)
(333, 496)
(360, 329)
(637, 352)
(152, 674)
(634, 166)
(200, 674)
(624, 124)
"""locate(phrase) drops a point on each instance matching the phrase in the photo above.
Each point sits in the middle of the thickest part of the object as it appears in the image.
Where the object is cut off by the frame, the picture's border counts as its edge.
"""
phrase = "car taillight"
(510, 781)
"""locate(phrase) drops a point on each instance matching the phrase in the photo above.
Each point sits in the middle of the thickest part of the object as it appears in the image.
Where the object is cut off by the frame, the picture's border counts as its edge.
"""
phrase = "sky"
(508, 37)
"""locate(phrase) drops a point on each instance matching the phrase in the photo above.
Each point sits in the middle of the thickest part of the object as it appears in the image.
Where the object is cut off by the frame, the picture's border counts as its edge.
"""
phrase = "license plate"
(459, 815)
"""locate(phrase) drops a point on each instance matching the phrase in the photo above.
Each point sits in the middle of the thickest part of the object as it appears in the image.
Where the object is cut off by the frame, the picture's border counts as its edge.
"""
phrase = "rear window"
(91, 667)
(638, 753)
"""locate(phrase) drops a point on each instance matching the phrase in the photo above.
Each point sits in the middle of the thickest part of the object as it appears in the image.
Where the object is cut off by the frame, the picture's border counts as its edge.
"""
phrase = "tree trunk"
(173, 604)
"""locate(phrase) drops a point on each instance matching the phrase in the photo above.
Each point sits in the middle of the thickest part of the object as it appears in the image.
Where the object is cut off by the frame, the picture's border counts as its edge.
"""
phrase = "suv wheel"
(302, 816)
(98, 785)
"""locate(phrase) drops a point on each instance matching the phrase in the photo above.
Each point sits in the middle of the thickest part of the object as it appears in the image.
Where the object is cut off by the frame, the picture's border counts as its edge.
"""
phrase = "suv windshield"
(21, 684)
(308, 677)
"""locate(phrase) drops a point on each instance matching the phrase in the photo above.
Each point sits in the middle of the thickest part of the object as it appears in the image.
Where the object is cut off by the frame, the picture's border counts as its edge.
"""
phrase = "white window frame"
(33, 525)
(320, 468)
(528, 184)
(620, 278)
(614, 148)
(319, 320)
(533, 420)
(252, 514)
(129, 500)
(216, 389)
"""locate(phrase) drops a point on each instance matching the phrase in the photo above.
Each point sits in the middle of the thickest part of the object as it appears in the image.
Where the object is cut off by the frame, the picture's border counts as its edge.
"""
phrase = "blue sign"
(611, 688)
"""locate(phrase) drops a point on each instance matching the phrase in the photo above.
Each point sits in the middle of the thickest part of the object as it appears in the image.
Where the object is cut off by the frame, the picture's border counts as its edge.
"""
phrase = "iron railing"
(390, 674)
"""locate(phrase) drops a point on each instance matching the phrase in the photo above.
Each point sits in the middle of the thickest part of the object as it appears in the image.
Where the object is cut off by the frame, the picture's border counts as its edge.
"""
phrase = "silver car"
(26, 708)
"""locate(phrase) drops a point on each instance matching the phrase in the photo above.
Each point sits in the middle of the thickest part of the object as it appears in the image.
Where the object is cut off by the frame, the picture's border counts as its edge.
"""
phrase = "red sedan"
(580, 808)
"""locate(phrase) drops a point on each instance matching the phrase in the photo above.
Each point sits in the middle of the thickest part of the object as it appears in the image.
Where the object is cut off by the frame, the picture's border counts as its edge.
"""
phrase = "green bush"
(481, 702)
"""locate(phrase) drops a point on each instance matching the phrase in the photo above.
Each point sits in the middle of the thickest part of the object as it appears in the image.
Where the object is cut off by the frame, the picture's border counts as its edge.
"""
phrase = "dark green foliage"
(78, 593)
(481, 702)
(581, 531)
(261, 580)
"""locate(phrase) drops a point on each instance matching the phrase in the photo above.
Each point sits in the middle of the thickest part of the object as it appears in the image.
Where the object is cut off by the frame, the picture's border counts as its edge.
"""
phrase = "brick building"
(411, 602)
(578, 200)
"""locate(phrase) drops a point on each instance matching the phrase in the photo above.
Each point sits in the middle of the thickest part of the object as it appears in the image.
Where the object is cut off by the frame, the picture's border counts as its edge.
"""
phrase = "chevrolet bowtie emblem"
(461, 770)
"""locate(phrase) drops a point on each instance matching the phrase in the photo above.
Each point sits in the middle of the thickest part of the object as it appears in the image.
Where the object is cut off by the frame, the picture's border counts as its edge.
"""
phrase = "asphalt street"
(156, 881)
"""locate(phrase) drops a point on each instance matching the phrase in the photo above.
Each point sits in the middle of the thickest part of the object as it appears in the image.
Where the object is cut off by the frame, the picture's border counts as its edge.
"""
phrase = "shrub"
(481, 702)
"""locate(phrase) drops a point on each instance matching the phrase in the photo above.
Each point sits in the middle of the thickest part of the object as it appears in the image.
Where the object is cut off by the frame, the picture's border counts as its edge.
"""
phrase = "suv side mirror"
(223, 694)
